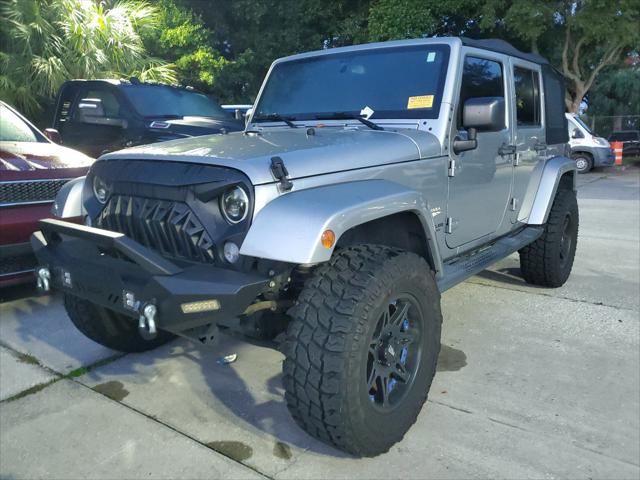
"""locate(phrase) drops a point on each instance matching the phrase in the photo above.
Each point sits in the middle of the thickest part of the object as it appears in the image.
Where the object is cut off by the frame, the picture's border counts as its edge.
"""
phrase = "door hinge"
(448, 227)
(452, 168)
(514, 204)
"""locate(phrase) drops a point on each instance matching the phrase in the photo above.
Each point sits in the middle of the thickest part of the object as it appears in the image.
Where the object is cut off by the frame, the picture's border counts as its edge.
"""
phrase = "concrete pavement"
(532, 382)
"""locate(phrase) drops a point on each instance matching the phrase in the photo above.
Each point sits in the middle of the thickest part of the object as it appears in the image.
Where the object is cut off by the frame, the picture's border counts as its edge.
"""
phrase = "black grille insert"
(30, 191)
(169, 227)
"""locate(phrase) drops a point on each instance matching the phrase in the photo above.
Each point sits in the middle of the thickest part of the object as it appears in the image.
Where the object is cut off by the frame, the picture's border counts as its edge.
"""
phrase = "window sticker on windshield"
(420, 101)
(431, 56)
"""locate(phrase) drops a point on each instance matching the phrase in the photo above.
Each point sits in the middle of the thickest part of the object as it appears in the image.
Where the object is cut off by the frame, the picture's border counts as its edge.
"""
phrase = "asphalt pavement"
(531, 383)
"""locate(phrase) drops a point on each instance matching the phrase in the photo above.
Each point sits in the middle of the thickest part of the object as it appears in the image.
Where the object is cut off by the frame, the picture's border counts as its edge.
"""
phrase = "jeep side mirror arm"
(471, 143)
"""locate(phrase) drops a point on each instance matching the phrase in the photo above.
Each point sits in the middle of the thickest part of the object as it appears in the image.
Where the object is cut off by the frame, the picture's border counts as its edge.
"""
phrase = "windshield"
(582, 124)
(13, 129)
(398, 82)
(156, 101)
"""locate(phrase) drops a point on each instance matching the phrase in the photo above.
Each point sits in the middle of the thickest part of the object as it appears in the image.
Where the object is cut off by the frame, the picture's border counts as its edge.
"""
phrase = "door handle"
(538, 147)
(506, 149)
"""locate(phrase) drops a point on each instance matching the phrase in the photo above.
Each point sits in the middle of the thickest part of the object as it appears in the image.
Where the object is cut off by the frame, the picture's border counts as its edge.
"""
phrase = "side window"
(480, 78)
(110, 102)
(527, 84)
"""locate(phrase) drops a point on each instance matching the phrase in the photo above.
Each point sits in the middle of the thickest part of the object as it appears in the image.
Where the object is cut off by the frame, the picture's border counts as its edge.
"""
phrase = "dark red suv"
(32, 170)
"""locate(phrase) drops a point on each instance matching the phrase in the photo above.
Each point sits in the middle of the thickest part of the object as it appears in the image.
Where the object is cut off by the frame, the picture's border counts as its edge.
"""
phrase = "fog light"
(201, 306)
(231, 252)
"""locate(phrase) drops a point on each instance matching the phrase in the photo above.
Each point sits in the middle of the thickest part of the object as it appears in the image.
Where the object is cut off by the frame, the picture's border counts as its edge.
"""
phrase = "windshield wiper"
(275, 117)
(349, 116)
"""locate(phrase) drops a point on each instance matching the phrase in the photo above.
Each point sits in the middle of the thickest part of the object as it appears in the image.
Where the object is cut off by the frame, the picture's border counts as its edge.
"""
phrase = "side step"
(469, 264)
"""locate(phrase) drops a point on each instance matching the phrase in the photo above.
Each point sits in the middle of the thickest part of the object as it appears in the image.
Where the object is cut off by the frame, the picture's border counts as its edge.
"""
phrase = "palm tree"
(45, 42)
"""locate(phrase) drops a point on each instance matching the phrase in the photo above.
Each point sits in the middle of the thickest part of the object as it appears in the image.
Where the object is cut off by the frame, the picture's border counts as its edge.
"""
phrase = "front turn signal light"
(328, 239)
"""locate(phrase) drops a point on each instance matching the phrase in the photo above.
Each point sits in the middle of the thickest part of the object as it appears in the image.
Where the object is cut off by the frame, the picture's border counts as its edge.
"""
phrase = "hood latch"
(281, 173)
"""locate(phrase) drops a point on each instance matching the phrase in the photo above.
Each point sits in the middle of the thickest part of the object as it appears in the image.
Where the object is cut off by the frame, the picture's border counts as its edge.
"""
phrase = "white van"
(587, 150)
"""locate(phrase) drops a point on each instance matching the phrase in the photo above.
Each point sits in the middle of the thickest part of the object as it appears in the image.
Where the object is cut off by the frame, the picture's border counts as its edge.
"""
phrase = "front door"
(529, 133)
(480, 183)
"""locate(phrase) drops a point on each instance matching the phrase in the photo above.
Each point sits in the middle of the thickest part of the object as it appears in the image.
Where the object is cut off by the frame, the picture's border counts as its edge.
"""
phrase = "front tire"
(548, 261)
(109, 328)
(584, 162)
(362, 347)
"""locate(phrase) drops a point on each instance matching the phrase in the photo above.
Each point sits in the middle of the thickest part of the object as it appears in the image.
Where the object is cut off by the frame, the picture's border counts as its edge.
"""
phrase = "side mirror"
(91, 111)
(480, 114)
(576, 133)
(53, 135)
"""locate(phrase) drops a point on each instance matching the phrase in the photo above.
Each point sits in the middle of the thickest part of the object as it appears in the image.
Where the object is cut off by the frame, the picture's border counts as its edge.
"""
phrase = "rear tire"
(109, 328)
(548, 261)
(365, 320)
(584, 162)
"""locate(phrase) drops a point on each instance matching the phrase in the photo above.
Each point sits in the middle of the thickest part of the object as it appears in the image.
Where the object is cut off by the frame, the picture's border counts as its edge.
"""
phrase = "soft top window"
(556, 129)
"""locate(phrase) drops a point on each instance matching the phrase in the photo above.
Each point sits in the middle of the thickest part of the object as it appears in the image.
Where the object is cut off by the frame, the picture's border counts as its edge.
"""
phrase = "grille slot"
(30, 191)
(168, 227)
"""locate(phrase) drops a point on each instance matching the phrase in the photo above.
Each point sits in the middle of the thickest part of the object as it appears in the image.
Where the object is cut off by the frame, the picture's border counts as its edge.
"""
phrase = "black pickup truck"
(99, 116)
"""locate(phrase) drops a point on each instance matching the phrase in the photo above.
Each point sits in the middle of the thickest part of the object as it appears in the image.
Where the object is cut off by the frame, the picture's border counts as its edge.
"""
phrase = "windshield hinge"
(281, 173)
(452, 168)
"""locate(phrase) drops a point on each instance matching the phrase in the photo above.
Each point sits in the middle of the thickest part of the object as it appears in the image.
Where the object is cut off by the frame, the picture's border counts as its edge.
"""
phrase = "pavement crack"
(544, 294)
(172, 428)
(459, 409)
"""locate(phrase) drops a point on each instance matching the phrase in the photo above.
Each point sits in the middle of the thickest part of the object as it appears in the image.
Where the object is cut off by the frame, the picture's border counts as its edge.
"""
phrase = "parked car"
(352, 200)
(588, 150)
(32, 171)
(630, 141)
(99, 116)
(238, 111)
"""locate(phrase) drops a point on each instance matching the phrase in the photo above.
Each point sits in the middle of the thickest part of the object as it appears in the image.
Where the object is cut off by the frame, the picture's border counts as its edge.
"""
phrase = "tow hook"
(147, 322)
(44, 277)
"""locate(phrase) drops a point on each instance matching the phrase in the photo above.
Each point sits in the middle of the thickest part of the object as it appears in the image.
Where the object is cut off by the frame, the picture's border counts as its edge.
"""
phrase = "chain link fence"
(603, 125)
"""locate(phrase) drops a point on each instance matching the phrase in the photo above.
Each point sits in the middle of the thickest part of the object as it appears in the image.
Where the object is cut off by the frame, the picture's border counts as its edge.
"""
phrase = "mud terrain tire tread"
(539, 261)
(109, 328)
(329, 321)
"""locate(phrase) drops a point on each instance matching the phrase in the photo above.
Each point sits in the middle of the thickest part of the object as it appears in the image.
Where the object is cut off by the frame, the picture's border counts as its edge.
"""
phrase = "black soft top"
(500, 46)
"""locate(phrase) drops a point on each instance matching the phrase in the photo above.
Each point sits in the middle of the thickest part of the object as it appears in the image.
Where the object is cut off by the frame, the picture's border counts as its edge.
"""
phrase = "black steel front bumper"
(111, 270)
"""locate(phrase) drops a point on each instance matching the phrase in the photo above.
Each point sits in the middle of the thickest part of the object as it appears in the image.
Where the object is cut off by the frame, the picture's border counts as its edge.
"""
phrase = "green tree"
(616, 96)
(250, 34)
(182, 39)
(398, 19)
(45, 42)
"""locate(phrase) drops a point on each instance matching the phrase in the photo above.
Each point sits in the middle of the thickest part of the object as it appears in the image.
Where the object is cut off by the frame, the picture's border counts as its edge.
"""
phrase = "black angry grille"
(168, 227)
(30, 191)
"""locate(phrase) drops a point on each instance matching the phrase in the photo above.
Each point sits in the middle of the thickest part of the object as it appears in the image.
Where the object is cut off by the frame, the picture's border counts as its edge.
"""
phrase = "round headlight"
(100, 189)
(234, 204)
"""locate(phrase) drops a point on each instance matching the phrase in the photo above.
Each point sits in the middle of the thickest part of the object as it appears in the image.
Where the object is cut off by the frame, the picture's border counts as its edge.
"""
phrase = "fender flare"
(552, 172)
(68, 201)
(289, 228)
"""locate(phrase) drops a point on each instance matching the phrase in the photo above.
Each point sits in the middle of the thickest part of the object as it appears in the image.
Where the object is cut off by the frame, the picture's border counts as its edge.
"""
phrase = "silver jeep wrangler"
(368, 180)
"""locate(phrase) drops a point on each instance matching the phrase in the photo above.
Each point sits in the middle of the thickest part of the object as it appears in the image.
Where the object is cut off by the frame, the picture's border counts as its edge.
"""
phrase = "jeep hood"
(327, 150)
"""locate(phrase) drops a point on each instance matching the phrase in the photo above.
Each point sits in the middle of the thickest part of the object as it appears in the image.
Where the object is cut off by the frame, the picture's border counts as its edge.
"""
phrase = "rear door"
(528, 131)
(480, 183)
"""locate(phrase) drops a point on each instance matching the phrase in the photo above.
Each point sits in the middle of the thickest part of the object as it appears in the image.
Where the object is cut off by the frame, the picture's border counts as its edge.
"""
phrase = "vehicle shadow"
(248, 391)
